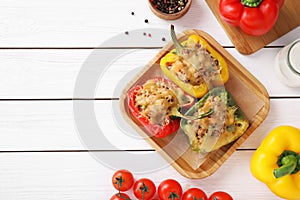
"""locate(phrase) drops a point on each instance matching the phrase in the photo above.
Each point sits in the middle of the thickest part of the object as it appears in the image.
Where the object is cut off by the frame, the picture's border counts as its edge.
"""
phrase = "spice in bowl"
(169, 6)
(169, 9)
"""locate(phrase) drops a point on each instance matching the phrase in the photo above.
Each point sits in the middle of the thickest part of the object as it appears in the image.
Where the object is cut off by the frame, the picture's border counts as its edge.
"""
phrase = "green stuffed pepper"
(225, 124)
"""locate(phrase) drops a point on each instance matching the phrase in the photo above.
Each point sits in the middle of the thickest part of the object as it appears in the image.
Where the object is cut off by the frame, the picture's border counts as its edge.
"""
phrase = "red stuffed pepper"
(153, 105)
(254, 17)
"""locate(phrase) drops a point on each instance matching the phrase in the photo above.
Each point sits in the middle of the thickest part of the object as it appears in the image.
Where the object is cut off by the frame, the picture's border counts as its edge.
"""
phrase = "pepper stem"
(251, 3)
(177, 44)
(176, 113)
(288, 163)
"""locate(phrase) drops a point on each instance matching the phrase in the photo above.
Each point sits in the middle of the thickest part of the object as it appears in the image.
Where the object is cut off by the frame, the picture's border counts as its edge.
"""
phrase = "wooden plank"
(35, 74)
(49, 125)
(287, 21)
(90, 23)
(52, 74)
(77, 176)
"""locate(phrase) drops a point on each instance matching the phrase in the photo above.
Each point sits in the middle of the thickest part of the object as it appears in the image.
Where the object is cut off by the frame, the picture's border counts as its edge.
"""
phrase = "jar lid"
(294, 56)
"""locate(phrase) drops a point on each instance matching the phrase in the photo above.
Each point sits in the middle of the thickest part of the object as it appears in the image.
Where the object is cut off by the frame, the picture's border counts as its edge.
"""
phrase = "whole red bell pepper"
(171, 123)
(254, 17)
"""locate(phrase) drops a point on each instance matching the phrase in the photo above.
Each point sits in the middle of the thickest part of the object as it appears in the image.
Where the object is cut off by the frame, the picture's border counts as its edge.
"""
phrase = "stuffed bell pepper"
(277, 162)
(225, 123)
(197, 68)
(155, 105)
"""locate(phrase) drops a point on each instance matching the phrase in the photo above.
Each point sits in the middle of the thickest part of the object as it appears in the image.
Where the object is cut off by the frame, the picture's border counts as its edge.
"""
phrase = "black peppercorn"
(169, 6)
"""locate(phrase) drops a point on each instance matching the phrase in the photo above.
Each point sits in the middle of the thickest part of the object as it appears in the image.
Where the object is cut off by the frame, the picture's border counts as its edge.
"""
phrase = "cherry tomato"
(169, 189)
(144, 189)
(120, 196)
(220, 195)
(122, 180)
(194, 194)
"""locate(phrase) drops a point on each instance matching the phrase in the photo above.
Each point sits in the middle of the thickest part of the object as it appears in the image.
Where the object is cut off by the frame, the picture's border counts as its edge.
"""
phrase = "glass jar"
(287, 64)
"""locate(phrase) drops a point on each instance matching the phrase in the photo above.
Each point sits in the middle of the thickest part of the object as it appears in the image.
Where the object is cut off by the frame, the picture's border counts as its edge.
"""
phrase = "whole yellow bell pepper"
(277, 162)
(201, 89)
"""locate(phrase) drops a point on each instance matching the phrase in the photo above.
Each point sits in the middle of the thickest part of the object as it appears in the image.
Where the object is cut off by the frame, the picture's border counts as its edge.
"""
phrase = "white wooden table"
(43, 46)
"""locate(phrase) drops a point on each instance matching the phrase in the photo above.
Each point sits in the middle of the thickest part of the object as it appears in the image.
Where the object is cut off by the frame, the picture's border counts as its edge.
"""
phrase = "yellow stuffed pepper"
(191, 78)
(277, 162)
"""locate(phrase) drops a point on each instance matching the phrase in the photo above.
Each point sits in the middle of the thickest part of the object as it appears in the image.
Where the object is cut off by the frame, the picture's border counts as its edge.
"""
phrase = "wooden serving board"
(248, 92)
(288, 20)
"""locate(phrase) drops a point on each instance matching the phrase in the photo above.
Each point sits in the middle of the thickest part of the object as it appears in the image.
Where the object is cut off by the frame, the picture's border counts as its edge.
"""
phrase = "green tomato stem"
(173, 195)
(144, 189)
(195, 198)
(119, 182)
(251, 3)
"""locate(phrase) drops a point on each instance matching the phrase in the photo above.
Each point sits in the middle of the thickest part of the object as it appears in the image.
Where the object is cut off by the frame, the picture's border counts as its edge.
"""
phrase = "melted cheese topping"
(216, 123)
(196, 67)
(155, 101)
